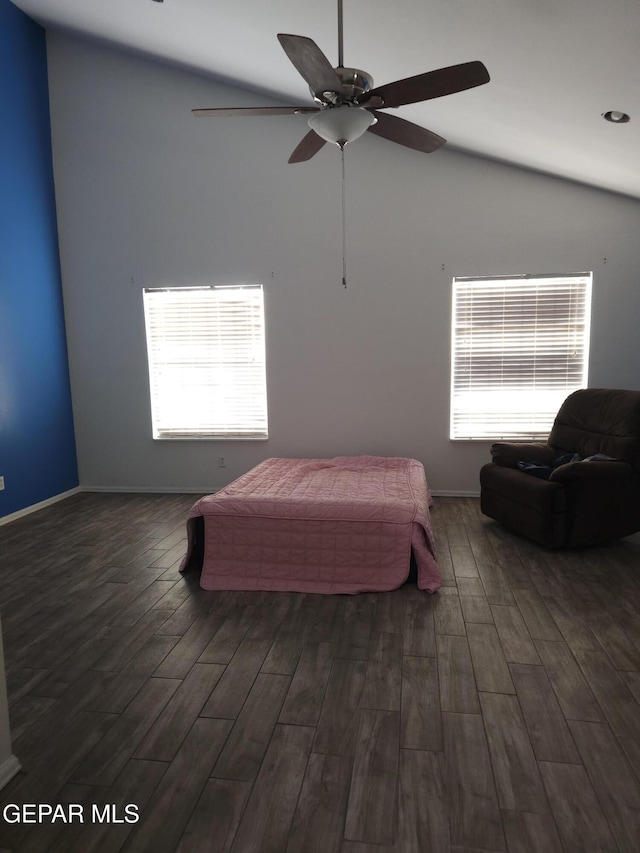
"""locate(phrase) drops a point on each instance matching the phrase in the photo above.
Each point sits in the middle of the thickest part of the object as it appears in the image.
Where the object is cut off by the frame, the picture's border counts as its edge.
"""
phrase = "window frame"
(551, 391)
(210, 432)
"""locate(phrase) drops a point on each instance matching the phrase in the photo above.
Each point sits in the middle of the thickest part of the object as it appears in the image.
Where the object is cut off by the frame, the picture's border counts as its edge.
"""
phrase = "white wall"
(150, 196)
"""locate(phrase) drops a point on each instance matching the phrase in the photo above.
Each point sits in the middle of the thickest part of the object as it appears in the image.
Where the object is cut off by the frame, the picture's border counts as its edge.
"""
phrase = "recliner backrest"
(600, 420)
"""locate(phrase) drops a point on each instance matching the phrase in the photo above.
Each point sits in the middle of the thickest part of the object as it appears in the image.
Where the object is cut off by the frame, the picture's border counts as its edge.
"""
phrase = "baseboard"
(153, 490)
(8, 770)
(445, 493)
(209, 490)
(6, 519)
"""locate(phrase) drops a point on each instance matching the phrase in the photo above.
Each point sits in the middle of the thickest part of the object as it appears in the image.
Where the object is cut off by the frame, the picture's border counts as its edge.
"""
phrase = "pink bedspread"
(342, 525)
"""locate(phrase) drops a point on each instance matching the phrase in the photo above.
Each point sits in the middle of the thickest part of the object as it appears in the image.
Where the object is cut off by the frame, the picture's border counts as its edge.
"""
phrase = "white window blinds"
(519, 348)
(207, 373)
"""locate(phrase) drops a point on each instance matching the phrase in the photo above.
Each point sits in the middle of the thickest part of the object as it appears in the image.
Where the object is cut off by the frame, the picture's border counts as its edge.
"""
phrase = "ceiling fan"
(347, 105)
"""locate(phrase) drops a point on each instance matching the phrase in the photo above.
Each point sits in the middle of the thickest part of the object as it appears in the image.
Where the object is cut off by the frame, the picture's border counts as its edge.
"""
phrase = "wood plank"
(38, 737)
(632, 680)
(169, 811)
(134, 639)
(322, 615)
(143, 602)
(458, 692)
(75, 739)
(464, 564)
(389, 612)
(25, 712)
(423, 820)
(21, 681)
(318, 823)
(514, 765)
(474, 813)
(180, 660)
(245, 748)
(82, 660)
(494, 579)
(135, 785)
(304, 700)
(167, 733)
(419, 628)
(216, 817)
(339, 717)
(372, 809)
(182, 618)
(444, 555)
(548, 731)
(613, 695)
(473, 600)
(537, 618)
(271, 807)
(574, 694)
(508, 557)
(615, 785)
(516, 640)
(352, 641)
(108, 758)
(530, 833)
(226, 640)
(270, 613)
(572, 623)
(420, 719)
(121, 687)
(489, 664)
(173, 555)
(622, 652)
(447, 612)
(287, 646)
(383, 681)
(456, 533)
(579, 818)
(631, 748)
(49, 835)
(231, 691)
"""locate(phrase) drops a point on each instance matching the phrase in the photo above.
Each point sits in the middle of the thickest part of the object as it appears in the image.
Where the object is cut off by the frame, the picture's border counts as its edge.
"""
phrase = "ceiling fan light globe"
(342, 124)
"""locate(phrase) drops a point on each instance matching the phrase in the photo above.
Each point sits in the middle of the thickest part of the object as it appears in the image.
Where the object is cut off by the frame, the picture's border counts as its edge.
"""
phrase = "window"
(520, 346)
(207, 362)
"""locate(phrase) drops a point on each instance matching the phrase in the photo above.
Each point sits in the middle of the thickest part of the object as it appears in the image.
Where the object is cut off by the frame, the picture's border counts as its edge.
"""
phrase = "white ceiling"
(555, 65)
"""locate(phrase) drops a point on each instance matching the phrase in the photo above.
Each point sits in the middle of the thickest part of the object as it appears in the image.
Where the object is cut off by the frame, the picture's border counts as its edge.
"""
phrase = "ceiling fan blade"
(311, 63)
(433, 84)
(224, 112)
(308, 146)
(406, 133)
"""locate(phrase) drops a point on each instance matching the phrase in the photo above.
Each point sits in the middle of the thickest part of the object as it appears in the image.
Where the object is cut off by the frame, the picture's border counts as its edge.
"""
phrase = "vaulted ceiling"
(556, 66)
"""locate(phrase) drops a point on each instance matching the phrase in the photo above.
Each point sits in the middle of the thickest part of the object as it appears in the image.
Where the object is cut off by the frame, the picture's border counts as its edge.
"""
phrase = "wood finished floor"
(501, 714)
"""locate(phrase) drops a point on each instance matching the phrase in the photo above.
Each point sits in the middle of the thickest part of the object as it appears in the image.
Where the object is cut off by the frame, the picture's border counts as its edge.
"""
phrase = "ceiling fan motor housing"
(355, 83)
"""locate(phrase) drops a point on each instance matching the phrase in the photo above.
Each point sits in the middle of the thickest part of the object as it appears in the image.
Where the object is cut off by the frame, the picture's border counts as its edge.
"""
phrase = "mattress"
(343, 525)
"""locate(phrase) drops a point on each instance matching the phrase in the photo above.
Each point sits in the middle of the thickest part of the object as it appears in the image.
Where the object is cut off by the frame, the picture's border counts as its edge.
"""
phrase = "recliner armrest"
(508, 454)
(596, 471)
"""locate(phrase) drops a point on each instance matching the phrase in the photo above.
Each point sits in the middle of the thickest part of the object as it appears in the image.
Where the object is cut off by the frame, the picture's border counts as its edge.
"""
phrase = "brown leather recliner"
(581, 503)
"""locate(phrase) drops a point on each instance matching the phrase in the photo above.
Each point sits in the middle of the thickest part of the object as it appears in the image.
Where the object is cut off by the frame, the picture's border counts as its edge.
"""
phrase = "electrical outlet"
(222, 462)
(1, 483)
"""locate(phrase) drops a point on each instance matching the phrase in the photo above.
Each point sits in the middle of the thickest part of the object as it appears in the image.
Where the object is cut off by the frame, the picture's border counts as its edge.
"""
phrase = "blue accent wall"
(37, 444)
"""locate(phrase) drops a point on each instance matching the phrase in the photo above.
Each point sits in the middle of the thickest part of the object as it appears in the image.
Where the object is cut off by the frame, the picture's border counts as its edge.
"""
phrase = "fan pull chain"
(344, 227)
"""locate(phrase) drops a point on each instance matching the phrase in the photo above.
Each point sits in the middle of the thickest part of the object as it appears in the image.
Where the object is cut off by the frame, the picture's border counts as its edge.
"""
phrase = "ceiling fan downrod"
(340, 36)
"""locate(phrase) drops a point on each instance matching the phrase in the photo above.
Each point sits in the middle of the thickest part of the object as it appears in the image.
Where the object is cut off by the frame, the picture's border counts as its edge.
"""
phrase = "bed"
(344, 525)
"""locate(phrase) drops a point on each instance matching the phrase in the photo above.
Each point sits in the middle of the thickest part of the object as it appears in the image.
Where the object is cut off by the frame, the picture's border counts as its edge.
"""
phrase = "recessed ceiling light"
(616, 116)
